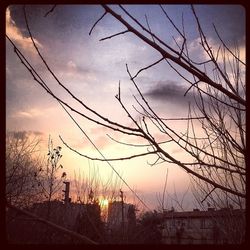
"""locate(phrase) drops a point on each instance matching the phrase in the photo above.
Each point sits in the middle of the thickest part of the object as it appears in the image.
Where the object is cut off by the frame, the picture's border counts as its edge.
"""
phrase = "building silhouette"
(224, 226)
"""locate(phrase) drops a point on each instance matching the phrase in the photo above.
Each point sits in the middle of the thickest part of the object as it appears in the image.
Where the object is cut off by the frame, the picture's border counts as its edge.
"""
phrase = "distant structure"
(203, 227)
(82, 218)
(117, 211)
(60, 214)
(66, 199)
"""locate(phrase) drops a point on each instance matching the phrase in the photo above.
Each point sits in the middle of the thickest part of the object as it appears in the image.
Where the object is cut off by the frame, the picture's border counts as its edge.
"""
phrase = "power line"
(97, 149)
(34, 73)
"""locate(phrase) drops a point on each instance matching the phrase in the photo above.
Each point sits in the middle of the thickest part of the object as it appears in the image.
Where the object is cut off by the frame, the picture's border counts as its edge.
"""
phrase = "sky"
(92, 69)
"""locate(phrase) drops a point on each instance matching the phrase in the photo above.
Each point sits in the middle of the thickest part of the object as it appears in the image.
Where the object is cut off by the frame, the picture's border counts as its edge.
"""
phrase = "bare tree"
(22, 165)
(214, 138)
(50, 179)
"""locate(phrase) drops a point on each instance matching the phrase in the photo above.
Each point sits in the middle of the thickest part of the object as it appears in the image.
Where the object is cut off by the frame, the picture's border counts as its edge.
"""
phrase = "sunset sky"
(92, 69)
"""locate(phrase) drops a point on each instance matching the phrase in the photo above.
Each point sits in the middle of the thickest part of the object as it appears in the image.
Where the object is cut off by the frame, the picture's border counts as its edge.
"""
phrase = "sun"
(104, 203)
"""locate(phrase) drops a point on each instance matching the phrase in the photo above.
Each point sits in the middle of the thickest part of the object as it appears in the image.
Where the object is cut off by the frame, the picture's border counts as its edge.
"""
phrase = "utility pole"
(121, 195)
(66, 191)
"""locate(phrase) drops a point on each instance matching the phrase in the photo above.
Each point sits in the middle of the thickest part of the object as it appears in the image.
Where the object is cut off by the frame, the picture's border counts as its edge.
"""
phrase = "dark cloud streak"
(169, 91)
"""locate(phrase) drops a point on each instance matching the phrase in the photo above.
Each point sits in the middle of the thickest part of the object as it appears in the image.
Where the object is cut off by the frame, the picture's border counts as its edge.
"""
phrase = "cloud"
(102, 141)
(24, 114)
(169, 90)
(16, 35)
(28, 114)
(197, 52)
(38, 133)
(74, 72)
(225, 58)
(71, 65)
(24, 134)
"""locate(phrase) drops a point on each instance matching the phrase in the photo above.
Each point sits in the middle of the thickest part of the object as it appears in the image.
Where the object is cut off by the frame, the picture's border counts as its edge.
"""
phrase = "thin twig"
(117, 34)
(176, 59)
(192, 85)
(149, 29)
(236, 57)
(106, 159)
(51, 10)
(208, 194)
(151, 65)
(97, 22)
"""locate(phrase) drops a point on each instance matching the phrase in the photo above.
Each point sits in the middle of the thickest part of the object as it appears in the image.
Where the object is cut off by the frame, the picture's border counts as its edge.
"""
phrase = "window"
(206, 223)
(172, 222)
(189, 223)
(203, 223)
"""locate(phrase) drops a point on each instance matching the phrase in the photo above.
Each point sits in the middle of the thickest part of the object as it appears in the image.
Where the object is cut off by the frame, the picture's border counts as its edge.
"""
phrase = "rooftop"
(209, 213)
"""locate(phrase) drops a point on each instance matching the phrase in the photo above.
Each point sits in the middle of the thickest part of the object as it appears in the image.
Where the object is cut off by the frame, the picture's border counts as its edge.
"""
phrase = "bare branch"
(214, 136)
(150, 33)
(66, 89)
(128, 144)
(106, 159)
(149, 28)
(192, 85)
(236, 57)
(210, 53)
(97, 22)
(201, 76)
(117, 34)
(51, 10)
(151, 65)
(170, 20)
